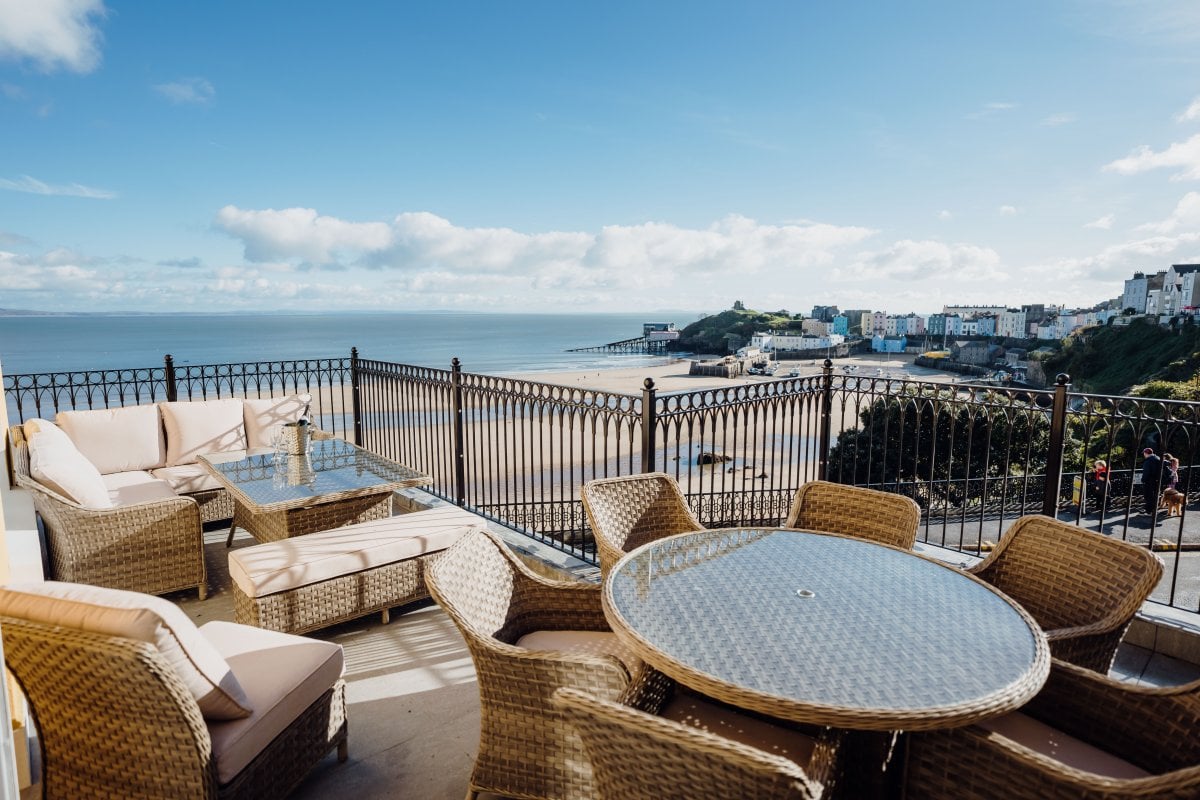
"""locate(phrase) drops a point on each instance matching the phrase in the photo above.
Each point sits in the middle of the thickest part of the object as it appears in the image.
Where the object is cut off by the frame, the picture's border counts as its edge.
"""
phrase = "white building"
(1010, 323)
(815, 327)
(1136, 289)
(788, 341)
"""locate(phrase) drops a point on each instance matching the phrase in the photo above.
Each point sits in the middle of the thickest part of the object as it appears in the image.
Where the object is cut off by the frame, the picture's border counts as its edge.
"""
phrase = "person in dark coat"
(1152, 469)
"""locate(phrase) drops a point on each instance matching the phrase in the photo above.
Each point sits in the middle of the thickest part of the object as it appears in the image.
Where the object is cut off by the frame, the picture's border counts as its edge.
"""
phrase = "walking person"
(1171, 473)
(1152, 474)
(1099, 483)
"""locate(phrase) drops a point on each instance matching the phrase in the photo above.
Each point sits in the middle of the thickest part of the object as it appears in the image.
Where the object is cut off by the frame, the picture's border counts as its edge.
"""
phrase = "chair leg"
(229, 541)
(386, 615)
(472, 794)
(203, 590)
(343, 750)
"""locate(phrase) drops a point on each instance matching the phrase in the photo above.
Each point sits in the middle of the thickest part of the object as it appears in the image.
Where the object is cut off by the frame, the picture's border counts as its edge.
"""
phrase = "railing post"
(169, 378)
(826, 419)
(456, 408)
(649, 423)
(1054, 456)
(355, 399)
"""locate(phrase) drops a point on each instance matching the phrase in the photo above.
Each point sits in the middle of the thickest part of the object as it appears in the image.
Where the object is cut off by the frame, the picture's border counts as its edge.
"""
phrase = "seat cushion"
(144, 618)
(203, 426)
(117, 439)
(595, 643)
(131, 488)
(188, 478)
(697, 711)
(1063, 748)
(282, 674)
(263, 415)
(58, 465)
(273, 567)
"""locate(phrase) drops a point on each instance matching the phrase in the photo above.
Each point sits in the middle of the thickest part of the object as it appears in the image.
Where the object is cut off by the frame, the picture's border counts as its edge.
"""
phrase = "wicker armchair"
(853, 511)
(626, 512)
(1152, 729)
(638, 755)
(1081, 587)
(115, 720)
(155, 547)
(526, 747)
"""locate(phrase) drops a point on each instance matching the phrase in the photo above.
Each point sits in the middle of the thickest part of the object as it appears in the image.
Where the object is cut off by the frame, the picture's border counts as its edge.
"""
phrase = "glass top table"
(826, 629)
(334, 484)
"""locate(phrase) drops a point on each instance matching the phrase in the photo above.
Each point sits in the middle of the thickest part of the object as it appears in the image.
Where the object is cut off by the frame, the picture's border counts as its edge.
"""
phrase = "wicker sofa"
(119, 491)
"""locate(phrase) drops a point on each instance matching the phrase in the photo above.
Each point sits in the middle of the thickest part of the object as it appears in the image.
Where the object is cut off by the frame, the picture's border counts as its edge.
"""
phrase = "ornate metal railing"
(973, 457)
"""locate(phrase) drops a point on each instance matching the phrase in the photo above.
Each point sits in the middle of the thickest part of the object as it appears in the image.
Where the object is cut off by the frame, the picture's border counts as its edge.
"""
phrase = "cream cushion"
(205, 426)
(131, 488)
(144, 618)
(188, 478)
(117, 439)
(593, 643)
(262, 415)
(282, 674)
(56, 464)
(1063, 748)
(35, 426)
(697, 711)
(272, 567)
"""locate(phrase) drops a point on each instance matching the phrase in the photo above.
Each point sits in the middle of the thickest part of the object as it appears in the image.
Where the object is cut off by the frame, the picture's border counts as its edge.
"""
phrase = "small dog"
(1172, 501)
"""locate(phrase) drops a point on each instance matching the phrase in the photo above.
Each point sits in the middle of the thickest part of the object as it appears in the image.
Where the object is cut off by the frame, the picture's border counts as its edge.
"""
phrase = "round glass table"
(826, 629)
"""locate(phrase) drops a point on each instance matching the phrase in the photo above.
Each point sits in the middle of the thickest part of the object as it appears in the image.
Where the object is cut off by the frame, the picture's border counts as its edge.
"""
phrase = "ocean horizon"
(484, 342)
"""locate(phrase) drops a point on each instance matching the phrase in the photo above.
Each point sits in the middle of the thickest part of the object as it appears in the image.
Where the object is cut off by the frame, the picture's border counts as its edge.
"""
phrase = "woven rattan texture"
(887, 640)
(627, 512)
(636, 755)
(870, 514)
(1082, 588)
(114, 721)
(329, 602)
(272, 526)
(527, 748)
(155, 547)
(1153, 728)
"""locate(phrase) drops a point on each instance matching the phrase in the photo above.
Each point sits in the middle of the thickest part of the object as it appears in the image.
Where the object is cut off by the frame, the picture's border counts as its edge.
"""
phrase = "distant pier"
(640, 344)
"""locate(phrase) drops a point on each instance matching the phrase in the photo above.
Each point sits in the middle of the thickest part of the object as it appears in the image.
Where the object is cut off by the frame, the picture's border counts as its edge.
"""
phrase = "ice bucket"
(295, 438)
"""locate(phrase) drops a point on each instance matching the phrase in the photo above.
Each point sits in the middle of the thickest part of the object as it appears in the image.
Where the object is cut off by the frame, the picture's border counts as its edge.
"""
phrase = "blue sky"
(618, 156)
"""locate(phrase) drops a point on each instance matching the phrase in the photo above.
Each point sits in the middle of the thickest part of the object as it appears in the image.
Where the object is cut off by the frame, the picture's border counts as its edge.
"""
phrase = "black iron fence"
(973, 457)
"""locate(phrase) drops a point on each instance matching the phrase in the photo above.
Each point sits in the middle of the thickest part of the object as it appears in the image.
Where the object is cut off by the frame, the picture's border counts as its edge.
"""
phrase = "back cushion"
(117, 439)
(205, 426)
(142, 617)
(34, 426)
(270, 412)
(55, 463)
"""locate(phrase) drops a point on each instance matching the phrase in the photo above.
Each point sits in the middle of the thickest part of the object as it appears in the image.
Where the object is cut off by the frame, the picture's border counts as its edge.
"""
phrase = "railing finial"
(1063, 379)
(648, 384)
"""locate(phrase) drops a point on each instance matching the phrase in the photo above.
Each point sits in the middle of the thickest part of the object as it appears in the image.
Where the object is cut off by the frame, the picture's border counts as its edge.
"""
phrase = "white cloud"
(300, 233)
(34, 186)
(1185, 215)
(188, 91)
(1118, 262)
(1103, 223)
(932, 262)
(617, 259)
(1191, 112)
(944, 215)
(53, 34)
(989, 109)
(1056, 120)
(1143, 158)
(1008, 211)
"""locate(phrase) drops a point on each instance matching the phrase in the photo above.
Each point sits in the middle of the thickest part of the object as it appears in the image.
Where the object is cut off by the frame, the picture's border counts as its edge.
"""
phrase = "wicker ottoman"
(308, 582)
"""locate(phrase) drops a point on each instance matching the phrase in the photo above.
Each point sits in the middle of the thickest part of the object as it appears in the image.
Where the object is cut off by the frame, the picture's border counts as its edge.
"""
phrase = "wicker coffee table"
(336, 484)
(826, 629)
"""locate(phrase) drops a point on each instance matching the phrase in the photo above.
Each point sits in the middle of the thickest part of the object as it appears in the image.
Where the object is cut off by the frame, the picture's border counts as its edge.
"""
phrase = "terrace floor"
(412, 702)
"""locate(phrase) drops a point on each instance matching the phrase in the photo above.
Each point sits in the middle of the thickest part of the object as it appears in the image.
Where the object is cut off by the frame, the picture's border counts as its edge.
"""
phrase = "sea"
(486, 343)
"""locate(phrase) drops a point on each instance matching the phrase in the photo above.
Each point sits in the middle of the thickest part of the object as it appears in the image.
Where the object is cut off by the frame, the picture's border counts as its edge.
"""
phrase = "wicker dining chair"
(527, 748)
(1085, 736)
(883, 517)
(626, 512)
(637, 755)
(1081, 587)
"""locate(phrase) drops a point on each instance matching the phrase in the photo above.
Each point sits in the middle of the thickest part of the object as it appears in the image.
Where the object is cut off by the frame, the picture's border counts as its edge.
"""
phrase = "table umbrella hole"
(805, 593)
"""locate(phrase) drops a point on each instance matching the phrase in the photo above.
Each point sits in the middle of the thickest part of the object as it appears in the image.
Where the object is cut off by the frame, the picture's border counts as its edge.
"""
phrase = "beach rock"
(712, 458)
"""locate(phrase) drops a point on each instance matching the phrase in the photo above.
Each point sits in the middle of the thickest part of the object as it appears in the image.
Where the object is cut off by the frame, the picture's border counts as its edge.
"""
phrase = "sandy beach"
(673, 377)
